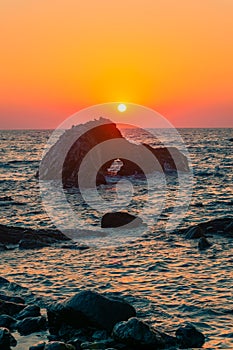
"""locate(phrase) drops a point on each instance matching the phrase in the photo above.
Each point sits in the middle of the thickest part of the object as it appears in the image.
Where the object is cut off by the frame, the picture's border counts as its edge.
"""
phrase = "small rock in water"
(6, 339)
(189, 337)
(203, 244)
(194, 232)
(31, 324)
(118, 219)
(39, 346)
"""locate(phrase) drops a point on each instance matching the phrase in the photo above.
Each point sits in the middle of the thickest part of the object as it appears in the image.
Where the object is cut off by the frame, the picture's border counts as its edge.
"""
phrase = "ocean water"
(164, 276)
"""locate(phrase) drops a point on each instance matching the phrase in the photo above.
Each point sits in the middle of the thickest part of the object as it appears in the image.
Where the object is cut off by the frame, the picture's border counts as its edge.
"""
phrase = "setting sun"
(121, 107)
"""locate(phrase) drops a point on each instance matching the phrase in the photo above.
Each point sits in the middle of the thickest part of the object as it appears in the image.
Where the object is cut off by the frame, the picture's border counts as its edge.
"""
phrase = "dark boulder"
(89, 309)
(203, 244)
(10, 308)
(31, 324)
(3, 281)
(189, 337)
(6, 339)
(118, 219)
(139, 335)
(7, 321)
(29, 311)
(2, 247)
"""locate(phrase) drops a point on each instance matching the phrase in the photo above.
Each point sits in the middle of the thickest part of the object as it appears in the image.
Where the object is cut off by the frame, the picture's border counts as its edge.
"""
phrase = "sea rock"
(118, 219)
(7, 321)
(65, 157)
(2, 247)
(29, 311)
(31, 324)
(221, 226)
(203, 244)
(6, 339)
(30, 237)
(101, 344)
(136, 333)
(194, 232)
(3, 281)
(57, 345)
(10, 308)
(189, 337)
(89, 309)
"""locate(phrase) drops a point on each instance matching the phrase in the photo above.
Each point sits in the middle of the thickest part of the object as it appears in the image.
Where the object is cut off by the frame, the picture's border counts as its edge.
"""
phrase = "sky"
(59, 56)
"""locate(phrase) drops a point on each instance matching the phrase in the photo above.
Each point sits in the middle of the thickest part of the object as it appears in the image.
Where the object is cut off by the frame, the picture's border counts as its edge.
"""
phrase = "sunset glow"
(173, 56)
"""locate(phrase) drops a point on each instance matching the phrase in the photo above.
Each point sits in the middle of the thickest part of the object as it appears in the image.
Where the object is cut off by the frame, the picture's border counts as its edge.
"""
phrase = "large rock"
(6, 339)
(29, 311)
(7, 321)
(117, 219)
(65, 157)
(136, 333)
(29, 238)
(89, 309)
(31, 324)
(12, 298)
(9, 308)
(189, 337)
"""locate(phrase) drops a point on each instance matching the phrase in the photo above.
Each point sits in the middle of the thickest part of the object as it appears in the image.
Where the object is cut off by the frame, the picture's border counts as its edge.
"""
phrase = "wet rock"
(39, 346)
(3, 281)
(189, 337)
(6, 339)
(31, 324)
(2, 247)
(31, 243)
(89, 309)
(7, 321)
(13, 235)
(10, 308)
(57, 345)
(11, 298)
(137, 333)
(118, 219)
(203, 244)
(194, 232)
(100, 335)
(29, 311)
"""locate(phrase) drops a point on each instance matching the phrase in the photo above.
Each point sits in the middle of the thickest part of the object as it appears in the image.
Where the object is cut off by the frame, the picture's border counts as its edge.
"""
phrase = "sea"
(166, 278)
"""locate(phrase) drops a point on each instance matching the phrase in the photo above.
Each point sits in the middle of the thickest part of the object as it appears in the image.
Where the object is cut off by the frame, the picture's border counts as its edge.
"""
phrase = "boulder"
(6, 339)
(7, 321)
(89, 309)
(31, 324)
(29, 311)
(10, 308)
(118, 219)
(189, 337)
(136, 333)
(35, 238)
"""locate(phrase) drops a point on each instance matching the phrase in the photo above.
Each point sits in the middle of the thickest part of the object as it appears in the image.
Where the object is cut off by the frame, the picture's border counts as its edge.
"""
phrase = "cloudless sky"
(58, 56)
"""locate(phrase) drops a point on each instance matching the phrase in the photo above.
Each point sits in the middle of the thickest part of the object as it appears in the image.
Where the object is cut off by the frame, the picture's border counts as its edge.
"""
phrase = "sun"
(121, 107)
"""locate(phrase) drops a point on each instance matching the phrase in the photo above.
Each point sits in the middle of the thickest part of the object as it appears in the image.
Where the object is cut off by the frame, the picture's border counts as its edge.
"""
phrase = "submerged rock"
(203, 244)
(189, 337)
(6, 339)
(89, 309)
(118, 219)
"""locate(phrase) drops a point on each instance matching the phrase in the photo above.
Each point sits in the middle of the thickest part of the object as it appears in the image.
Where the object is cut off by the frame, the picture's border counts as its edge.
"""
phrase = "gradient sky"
(58, 56)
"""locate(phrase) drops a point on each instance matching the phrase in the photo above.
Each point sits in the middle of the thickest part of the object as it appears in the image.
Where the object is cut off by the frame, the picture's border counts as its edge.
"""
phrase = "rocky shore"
(87, 320)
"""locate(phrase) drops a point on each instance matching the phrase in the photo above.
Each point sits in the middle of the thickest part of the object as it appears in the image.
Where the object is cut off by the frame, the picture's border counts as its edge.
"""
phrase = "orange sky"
(58, 56)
